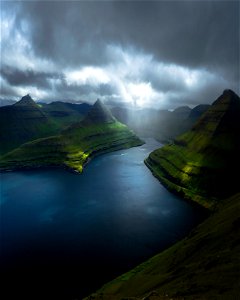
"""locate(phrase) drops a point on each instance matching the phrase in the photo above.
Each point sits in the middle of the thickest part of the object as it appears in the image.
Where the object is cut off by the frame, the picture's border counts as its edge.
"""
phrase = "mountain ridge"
(75, 146)
(196, 163)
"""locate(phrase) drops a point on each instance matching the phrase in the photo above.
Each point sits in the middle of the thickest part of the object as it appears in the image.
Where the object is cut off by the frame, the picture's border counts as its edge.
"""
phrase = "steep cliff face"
(98, 133)
(204, 162)
(205, 265)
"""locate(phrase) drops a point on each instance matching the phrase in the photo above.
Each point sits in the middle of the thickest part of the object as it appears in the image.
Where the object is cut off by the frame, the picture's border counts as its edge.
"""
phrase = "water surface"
(63, 235)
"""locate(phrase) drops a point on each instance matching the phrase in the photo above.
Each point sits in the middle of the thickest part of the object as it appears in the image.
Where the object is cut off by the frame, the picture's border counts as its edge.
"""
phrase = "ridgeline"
(203, 164)
(97, 133)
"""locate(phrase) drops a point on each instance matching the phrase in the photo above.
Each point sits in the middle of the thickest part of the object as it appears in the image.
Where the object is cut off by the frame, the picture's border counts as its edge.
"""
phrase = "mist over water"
(64, 235)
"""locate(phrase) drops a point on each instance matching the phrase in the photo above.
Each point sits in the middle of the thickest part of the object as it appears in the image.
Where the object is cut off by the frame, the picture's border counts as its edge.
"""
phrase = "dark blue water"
(64, 235)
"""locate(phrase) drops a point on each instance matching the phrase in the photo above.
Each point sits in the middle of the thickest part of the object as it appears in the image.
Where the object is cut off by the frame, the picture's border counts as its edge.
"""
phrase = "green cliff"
(203, 266)
(98, 133)
(204, 162)
(65, 114)
(22, 122)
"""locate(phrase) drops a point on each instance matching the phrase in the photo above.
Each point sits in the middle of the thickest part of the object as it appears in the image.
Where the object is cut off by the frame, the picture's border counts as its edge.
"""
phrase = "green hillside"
(98, 133)
(205, 265)
(204, 162)
(63, 113)
(22, 122)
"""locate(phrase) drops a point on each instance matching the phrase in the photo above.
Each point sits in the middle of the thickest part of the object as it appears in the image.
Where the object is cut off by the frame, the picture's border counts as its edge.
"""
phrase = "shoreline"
(91, 156)
(182, 192)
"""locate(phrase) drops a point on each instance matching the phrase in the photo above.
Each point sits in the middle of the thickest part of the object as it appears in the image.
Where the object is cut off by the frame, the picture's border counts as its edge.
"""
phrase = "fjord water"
(64, 235)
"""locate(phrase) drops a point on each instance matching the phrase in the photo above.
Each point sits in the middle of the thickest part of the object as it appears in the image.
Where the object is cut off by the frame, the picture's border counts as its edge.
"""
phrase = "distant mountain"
(186, 122)
(182, 111)
(138, 118)
(64, 113)
(197, 111)
(146, 122)
(172, 124)
(26, 102)
(98, 133)
(164, 125)
(204, 162)
(22, 122)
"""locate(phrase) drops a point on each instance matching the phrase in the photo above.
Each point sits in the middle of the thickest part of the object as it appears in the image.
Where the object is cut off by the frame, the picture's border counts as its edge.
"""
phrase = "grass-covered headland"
(98, 133)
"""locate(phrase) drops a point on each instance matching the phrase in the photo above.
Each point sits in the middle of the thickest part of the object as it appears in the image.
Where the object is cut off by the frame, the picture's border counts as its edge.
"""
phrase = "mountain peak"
(228, 98)
(26, 101)
(99, 114)
(203, 162)
(228, 92)
(224, 113)
(98, 102)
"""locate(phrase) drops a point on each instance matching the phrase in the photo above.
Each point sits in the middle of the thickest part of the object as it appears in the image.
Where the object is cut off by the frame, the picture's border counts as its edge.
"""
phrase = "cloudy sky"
(148, 54)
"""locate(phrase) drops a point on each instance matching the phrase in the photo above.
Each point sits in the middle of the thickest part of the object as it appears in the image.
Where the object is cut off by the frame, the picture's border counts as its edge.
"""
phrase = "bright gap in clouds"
(87, 75)
(142, 94)
(139, 80)
(131, 76)
(54, 62)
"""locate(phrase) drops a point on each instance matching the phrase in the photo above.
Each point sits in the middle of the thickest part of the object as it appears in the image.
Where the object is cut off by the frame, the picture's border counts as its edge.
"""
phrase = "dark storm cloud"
(198, 41)
(67, 32)
(8, 90)
(105, 89)
(87, 89)
(187, 32)
(163, 82)
(18, 77)
(204, 96)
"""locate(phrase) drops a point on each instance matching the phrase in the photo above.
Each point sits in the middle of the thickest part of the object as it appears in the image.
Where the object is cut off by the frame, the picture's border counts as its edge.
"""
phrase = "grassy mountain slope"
(64, 114)
(205, 265)
(98, 133)
(204, 162)
(22, 122)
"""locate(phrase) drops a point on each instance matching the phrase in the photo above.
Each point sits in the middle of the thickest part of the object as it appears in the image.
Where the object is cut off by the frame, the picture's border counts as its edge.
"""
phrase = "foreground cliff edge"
(98, 133)
(203, 164)
(205, 265)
